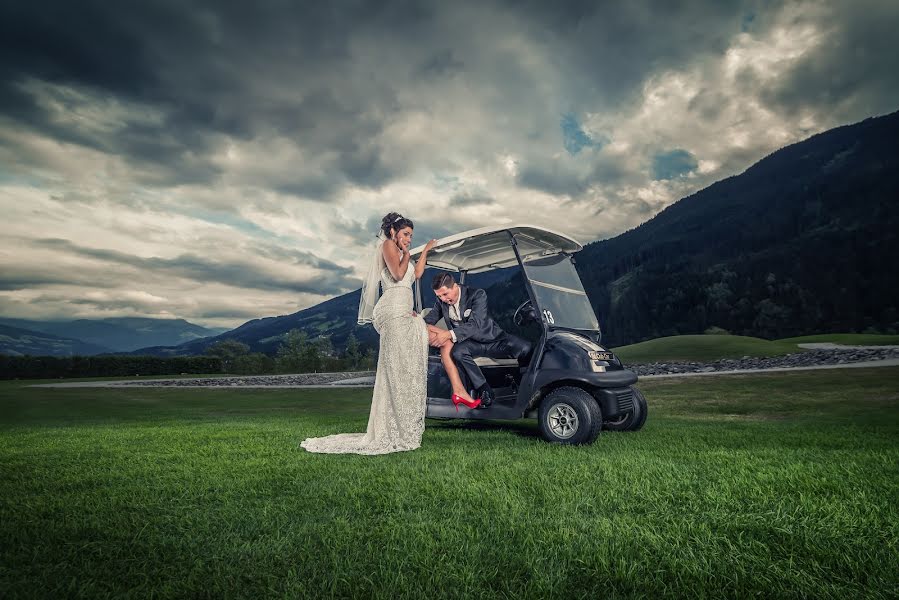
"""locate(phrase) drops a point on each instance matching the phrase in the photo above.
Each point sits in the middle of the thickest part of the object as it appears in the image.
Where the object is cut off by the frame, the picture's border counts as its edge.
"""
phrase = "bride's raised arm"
(397, 260)
(423, 259)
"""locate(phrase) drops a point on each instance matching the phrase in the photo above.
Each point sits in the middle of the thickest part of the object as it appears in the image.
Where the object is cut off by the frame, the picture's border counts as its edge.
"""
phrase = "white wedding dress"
(397, 418)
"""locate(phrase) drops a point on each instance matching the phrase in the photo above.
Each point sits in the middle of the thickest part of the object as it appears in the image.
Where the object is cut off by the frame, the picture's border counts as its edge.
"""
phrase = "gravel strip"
(809, 358)
(295, 380)
(243, 381)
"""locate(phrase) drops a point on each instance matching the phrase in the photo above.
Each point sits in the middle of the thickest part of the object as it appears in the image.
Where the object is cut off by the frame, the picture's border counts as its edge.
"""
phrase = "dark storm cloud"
(853, 70)
(332, 278)
(460, 200)
(708, 104)
(442, 63)
(553, 179)
(434, 229)
(296, 257)
(89, 43)
(228, 313)
(107, 304)
(615, 45)
(318, 188)
(209, 70)
(609, 171)
(347, 129)
(108, 49)
(13, 278)
(364, 234)
(427, 227)
(214, 71)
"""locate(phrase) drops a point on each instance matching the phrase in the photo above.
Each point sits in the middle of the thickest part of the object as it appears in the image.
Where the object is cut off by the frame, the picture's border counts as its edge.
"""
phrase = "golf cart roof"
(489, 248)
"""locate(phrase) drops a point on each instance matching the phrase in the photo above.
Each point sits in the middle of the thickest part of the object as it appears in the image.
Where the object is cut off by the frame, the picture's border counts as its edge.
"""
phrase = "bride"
(397, 418)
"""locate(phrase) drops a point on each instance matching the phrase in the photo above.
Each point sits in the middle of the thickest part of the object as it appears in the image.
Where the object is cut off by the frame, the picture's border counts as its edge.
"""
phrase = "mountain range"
(95, 336)
(334, 318)
(15, 342)
(804, 241)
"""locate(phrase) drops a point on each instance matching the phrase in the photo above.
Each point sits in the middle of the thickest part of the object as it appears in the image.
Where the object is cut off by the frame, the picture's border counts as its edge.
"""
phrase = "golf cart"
(571, 384)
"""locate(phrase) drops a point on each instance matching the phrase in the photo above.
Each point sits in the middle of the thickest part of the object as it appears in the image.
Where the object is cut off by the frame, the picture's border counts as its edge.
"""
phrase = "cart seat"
(481, 361)
(486, 361)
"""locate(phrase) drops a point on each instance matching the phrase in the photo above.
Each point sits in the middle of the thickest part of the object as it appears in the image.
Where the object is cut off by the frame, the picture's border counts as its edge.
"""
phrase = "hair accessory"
(399, 218)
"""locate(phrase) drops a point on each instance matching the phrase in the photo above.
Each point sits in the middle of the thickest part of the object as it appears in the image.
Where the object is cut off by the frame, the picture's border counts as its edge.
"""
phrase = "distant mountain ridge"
(118, 334)
(804, 241)
(334, 318)
(15, 341)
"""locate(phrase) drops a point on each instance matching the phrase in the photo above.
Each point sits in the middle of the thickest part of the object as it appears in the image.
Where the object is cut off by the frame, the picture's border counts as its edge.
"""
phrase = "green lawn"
(770, 485)
(856, 339)
(702, 348)
(708, 348)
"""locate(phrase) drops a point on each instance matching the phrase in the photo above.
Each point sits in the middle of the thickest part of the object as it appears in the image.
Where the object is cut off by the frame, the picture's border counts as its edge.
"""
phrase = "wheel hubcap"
(562, 420)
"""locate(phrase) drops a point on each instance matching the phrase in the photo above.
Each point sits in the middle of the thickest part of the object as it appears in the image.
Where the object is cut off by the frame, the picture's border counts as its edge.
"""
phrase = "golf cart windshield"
(561, 298)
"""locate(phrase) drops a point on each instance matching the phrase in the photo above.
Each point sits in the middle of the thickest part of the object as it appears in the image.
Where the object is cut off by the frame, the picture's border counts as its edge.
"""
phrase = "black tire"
(640, 402)
(633, 420)
(569, 415)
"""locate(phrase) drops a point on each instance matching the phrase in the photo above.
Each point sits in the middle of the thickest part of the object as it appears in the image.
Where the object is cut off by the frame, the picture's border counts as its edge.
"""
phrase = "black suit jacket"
(476, 324)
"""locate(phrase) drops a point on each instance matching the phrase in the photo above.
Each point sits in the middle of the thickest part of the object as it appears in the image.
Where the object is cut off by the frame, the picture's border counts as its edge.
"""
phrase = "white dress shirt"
(454, 315)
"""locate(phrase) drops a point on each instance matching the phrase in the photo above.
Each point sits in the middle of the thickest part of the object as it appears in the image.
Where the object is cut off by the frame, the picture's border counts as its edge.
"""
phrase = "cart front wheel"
(570, 415)
(632, 420)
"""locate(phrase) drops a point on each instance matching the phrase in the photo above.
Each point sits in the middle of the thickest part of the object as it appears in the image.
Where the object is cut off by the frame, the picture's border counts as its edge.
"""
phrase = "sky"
(224, 161)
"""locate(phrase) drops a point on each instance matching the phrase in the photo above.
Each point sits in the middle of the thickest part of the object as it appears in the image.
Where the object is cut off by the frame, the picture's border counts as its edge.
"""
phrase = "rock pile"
(808, 358)
(252, 380)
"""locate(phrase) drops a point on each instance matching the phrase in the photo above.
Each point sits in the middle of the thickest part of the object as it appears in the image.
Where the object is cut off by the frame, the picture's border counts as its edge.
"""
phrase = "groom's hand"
(442, 337)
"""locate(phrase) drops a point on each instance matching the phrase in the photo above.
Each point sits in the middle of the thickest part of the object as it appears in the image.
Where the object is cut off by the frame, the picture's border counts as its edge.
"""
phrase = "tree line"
(296, 354)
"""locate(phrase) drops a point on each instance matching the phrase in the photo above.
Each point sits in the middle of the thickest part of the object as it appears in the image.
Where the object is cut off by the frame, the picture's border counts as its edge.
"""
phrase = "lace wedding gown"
(397, 418)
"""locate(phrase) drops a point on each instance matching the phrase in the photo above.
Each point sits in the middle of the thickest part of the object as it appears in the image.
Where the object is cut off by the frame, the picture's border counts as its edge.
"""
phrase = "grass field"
(770, 485)
(702, 348)
(855, 339)
(707, 348)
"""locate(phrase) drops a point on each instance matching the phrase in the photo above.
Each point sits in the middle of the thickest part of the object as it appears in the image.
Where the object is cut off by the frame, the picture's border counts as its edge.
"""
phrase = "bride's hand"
(430, 245)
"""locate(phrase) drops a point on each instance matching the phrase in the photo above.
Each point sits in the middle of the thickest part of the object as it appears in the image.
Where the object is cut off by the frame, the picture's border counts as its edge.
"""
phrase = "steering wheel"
(519, 316)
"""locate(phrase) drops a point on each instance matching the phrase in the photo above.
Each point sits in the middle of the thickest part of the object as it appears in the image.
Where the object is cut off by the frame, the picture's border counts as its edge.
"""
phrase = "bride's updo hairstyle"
(394, 221)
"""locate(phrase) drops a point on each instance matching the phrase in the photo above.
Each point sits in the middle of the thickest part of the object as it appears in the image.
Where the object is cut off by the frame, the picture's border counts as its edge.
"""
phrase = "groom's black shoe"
(485, 393)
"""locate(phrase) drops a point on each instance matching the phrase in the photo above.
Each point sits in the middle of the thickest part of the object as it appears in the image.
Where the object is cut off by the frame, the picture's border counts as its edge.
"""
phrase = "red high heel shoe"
(457, 400)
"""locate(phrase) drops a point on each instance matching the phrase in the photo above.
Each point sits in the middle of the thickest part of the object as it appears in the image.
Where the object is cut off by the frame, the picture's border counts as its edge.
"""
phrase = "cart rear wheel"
(569, 415)
(633, 420)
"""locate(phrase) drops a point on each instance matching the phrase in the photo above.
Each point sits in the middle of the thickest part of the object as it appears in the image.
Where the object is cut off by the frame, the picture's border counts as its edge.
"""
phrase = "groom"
(472, 331)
